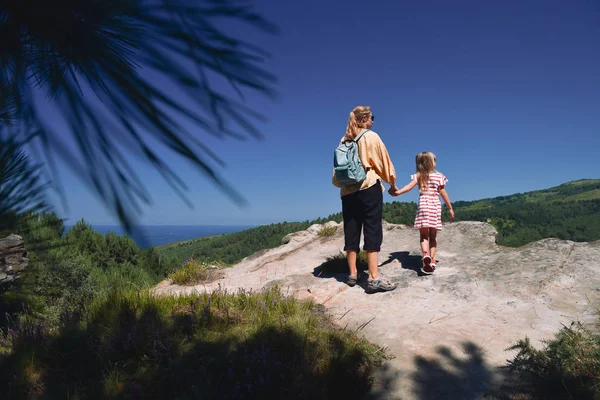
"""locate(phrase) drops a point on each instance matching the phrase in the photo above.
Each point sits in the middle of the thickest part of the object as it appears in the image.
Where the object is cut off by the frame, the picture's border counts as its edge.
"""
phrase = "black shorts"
(363, 209)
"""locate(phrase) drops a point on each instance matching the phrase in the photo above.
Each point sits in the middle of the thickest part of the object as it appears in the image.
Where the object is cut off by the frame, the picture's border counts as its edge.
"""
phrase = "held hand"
(393, 191)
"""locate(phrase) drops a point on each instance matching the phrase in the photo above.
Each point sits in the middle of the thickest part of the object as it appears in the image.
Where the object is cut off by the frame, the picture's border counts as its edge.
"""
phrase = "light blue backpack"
(346, 162)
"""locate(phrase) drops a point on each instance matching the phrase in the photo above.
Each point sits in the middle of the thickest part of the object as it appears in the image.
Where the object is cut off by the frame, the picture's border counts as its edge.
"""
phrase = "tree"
(119, 72)
(21, 186)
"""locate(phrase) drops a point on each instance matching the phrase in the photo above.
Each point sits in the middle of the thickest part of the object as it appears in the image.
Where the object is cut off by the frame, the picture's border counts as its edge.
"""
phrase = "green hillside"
(584, 189)
(232, 247)
(569, 211)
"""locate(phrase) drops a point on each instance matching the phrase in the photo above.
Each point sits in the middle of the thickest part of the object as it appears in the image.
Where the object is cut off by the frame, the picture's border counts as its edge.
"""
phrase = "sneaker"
(427, 267)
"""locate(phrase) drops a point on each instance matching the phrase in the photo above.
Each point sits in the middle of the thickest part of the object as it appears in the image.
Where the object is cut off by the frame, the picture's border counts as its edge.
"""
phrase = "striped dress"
(429, 211)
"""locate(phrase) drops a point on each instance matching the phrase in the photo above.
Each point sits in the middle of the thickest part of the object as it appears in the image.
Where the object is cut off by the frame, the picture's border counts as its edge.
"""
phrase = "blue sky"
(507, 94)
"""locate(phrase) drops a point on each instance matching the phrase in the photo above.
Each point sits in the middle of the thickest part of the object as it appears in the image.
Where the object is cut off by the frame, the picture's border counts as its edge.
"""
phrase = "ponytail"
(352, 128)
(354, 124)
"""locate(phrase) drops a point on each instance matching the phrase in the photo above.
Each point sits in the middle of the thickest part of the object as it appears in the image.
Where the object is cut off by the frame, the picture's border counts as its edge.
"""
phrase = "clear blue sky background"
(507, 94)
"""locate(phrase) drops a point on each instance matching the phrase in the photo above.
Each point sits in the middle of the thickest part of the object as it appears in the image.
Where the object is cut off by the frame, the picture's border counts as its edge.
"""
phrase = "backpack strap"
(360, 135)
(358, 138)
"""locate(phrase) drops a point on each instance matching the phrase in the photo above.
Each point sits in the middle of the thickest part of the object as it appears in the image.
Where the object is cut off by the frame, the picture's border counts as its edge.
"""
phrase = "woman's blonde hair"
(425, 165)
(355, 121)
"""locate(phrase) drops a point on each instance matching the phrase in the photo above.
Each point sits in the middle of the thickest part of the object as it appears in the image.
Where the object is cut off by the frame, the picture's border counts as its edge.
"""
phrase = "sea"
(156, 235)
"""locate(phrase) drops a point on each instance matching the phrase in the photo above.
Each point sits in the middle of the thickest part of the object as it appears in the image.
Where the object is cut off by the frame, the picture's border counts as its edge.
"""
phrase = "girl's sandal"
(352, 280)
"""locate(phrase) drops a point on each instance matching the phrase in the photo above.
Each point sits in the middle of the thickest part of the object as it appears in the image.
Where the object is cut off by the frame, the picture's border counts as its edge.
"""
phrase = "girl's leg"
(424, 232)
(427, 268)
(432, 243)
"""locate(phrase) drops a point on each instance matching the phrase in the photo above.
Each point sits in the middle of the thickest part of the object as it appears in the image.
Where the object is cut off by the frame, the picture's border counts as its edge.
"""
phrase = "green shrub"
(568, 366)
(339, 263)
(327, 231)
(192, 271)
(69, 270)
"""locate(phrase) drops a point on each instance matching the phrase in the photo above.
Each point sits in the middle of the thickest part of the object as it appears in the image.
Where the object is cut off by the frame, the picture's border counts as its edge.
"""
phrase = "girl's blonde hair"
(355, 121)
(425, 165)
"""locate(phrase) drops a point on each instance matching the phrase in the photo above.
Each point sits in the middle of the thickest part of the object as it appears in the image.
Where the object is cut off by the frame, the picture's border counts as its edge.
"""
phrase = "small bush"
(339, 264)
(192, 271)
(567, 367)
(327, 231)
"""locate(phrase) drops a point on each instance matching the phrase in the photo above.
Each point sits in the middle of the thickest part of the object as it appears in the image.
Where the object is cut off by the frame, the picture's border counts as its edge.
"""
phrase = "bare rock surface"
(447, 332)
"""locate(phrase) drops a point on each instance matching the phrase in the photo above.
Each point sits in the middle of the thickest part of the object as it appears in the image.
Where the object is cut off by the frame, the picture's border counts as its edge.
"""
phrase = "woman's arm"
(405, 189)
(444, 195)
(393, 186)
(379, 159)
(334, 180)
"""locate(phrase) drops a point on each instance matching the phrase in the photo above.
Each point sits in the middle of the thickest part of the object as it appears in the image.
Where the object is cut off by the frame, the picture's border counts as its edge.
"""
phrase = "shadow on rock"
(412, 263)
(463, 375)
(449, 376)
(336, 267)
(386, 379)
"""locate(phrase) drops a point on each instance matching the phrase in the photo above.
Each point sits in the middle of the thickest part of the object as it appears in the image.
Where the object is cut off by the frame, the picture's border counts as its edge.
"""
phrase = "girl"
(428, 221)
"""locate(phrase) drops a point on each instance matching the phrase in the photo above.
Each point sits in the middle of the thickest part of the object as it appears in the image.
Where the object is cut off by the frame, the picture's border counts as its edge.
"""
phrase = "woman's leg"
(373, 262)
(352, 229)
(351, 256)
(372, 205)
(372, 201)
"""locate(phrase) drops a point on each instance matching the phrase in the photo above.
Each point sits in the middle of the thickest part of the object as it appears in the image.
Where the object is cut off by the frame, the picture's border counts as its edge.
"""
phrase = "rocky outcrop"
(13, 258)
(448, 332)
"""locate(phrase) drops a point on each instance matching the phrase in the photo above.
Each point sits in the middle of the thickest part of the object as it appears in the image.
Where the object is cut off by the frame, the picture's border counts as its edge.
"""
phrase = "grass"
(568, 366)
(327, 231)
(193, 271)
(339, 264)
(250, 345)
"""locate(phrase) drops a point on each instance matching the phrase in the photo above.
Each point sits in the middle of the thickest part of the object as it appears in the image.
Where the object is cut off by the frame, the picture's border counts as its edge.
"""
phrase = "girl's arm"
(405, 189)
(444, 195)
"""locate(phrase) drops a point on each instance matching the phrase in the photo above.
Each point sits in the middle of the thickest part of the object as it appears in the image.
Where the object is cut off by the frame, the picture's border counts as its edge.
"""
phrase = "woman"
(362, 203)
